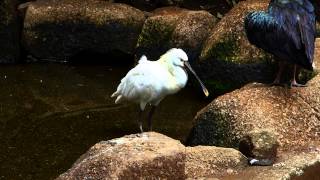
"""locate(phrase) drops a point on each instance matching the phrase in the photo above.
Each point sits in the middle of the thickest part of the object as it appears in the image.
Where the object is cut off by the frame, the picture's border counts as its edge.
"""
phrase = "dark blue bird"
(287, 30)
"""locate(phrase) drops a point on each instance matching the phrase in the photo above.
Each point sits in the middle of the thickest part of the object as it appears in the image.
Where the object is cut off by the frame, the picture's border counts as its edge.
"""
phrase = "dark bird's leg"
(153, 108)
(140, 120)
(279, 73)
(293, 80)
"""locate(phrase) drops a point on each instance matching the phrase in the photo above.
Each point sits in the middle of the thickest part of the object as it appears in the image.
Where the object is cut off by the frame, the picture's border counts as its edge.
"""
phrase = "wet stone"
(59, 29)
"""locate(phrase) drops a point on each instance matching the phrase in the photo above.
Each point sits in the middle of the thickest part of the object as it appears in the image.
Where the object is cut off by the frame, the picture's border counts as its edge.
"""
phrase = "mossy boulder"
(228, 60)
(228, 41)
(174, 27)
(9, 32)
(59, 29)
(292, 114)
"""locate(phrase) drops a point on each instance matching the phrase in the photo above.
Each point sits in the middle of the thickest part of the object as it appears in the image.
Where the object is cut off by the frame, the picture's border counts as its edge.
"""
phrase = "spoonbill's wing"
(142, 84)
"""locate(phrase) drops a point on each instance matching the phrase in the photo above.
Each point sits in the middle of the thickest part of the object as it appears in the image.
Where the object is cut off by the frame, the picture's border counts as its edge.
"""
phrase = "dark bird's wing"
(297, 19)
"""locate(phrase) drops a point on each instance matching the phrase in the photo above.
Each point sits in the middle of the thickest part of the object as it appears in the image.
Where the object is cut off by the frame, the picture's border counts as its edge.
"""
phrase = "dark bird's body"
(286, 30)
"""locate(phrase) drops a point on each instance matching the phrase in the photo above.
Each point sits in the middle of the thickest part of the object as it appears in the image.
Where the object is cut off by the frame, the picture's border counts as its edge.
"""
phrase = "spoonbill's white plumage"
(150, 81)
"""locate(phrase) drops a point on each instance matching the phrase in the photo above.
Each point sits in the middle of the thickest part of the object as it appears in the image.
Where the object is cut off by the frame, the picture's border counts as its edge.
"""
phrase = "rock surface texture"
(59, 29)
(291, 114)
(174, 27)
(227, 59)
(9, 32)
(155, 156)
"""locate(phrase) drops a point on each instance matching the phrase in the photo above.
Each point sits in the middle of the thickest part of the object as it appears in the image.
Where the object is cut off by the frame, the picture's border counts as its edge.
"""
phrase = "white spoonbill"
(150, 81)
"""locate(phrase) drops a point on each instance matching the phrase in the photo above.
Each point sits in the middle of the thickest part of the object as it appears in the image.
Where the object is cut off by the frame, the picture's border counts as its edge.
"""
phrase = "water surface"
(50, 114)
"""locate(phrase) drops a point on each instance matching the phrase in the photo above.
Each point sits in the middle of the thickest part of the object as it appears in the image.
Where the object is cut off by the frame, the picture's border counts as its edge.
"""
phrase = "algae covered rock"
(228, 42)
(228, 60)
(59, 29)
(291, 114)
(174, 27)
(9, 32)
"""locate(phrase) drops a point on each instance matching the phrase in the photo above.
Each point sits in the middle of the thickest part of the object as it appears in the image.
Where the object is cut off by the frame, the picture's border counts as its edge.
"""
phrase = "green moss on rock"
(218, 87)
(150, 34)
(227, 49)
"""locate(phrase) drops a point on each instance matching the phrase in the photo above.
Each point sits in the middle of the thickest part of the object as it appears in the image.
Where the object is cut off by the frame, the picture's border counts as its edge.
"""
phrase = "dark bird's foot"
(295, 84)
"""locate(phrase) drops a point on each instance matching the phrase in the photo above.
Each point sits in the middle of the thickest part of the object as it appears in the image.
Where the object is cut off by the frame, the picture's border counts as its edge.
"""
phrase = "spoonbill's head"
(179, 58)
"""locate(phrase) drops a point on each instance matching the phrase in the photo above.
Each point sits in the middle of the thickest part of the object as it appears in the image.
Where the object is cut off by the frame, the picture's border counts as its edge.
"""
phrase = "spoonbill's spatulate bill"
(150, 81)
(287, 30)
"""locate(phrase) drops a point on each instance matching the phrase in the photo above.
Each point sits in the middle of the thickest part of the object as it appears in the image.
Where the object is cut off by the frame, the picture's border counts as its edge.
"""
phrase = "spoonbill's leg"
(140, 120)
(293, 80)
(153, 108)
(279, 73)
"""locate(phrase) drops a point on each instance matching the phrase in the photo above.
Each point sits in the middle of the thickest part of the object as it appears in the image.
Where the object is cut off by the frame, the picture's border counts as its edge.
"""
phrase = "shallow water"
(50, 114)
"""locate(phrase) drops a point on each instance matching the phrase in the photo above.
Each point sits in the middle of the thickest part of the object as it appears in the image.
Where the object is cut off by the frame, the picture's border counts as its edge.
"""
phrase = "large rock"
(9, 32)
(149, 155)
(59, 29)
(228, 41)
(174, 27)
(291, 114)
(228, 60)
(154, 156)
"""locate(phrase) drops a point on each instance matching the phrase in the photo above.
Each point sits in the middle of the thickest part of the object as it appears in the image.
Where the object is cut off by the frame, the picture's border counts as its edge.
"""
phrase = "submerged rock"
(174, 27)
(9, 32)
(59, 29)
